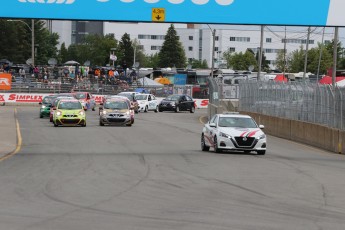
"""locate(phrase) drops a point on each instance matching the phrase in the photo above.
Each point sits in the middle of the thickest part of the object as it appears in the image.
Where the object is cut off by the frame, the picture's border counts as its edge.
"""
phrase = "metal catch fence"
(309, 102)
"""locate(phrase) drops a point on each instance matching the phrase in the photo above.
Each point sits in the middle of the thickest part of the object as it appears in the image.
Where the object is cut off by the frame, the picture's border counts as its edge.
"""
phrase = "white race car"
(233, 131)
(147, 102)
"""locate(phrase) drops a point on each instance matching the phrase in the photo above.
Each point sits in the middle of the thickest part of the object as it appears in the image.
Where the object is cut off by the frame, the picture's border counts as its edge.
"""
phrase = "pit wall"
(311, 134)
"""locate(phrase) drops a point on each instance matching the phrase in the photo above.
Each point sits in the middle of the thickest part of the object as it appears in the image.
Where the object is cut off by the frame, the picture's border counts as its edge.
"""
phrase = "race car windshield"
(172, 98)
(241, 122)
(69, 105)
(47, 100)
(80, 96)
(141, 97)
(116, 105)
(129, 96)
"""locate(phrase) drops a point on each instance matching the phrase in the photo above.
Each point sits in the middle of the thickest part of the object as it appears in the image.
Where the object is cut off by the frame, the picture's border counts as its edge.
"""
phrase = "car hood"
(70, 112)
(116, 110)
(241, 132)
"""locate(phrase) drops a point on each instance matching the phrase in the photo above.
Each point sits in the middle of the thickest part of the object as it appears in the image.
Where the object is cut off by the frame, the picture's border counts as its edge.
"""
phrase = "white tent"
(144, 81)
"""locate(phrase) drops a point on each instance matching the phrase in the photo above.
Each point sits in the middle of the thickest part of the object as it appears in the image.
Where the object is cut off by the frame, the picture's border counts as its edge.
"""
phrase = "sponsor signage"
(36, 98)
(5, 81)
(257, 12)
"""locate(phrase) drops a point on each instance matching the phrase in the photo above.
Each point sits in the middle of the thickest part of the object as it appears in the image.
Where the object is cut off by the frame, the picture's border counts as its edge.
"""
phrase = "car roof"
(233, 114)
(68, 100)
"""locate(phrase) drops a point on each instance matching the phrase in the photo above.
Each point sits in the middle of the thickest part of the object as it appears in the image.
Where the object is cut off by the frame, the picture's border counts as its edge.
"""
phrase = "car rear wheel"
(101, 123)
(84, 125)
(215, 146)
(192, 110)
(55, 125)
(261, 152)
(41, 116)
(146, 109)
(204, 147)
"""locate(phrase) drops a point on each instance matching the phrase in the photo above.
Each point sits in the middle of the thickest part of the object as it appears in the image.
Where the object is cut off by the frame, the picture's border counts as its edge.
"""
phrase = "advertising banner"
(36, 98)
(253, 12)
(5, 81)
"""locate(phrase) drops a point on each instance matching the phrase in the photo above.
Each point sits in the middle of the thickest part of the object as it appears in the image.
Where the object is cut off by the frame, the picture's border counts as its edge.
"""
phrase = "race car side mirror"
(261, 126)
(213, 125)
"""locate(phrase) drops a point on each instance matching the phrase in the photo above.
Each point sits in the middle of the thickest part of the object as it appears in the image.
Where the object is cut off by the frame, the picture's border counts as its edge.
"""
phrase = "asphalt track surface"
(154, 176)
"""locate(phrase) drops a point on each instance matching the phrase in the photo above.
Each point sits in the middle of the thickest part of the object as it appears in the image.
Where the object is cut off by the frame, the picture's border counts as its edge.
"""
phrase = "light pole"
(32, 29)
(213, 45)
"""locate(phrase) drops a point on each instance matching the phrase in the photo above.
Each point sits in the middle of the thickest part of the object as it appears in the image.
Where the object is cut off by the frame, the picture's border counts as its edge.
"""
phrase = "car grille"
(165, 104)
(120, 120)
(70, 121)
(70, 115)
(244, 141)
(112, 115)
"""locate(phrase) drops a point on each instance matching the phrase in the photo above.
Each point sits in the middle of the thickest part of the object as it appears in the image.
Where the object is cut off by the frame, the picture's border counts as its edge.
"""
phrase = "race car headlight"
(43, 106)
(81, 113)
(104, 112)
(127, 113)
(172, 103)
(224, 135)
(262, 136)
(58, 113)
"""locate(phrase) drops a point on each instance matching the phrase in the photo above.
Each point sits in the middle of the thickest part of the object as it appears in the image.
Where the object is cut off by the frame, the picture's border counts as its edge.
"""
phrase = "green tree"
(63, 54)
(126, 51)
(198, 64)
(172, 53)
(98, 48)
(264, 63)
(281, 64)
(313, 60)
(16, 37)
(242, 61)
(297, 60)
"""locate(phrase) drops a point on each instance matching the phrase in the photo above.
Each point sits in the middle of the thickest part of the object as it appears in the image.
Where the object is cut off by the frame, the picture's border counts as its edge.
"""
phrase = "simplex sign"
(255, 12)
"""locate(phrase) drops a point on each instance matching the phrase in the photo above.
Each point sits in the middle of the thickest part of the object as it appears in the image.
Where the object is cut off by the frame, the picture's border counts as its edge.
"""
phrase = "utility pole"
(320, 56)
(261, 51)
(335, 54)
(213, 46)
(306, 54)
(284, 54)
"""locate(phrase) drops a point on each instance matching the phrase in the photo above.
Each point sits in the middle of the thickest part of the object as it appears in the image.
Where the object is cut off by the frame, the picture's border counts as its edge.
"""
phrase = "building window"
(268, 40)
(190, 60)
(215, 48)
(140, 47)
(156, 47)
(216, 38)
(232, 49)
(190, 48)
(240, 39)
(190, 38)
(297, 41)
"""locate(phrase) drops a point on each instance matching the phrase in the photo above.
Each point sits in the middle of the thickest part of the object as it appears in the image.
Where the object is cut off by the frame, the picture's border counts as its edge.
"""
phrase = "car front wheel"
(192, 110)
(204, 147)
(215, 146)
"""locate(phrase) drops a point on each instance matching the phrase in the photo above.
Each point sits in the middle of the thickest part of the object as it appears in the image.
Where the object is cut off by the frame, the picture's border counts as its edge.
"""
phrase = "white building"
(197, 39)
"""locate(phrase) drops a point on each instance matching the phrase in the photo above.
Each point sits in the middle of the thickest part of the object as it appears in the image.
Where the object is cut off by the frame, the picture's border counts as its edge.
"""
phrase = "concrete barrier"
(308, 133)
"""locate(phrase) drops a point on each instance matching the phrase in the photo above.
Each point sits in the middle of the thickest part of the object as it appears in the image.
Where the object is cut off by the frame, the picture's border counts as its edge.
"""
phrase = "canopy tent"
(71, 63)
(144, 81)
(163, 80)
(328, 80)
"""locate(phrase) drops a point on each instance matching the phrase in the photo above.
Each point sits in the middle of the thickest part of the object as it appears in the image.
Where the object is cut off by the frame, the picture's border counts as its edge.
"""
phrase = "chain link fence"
(303, 101)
